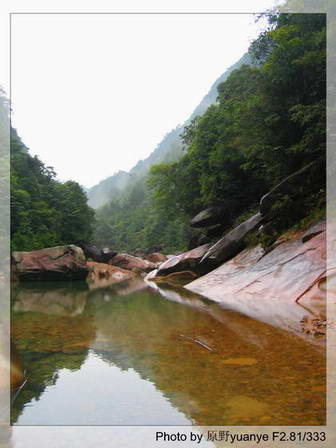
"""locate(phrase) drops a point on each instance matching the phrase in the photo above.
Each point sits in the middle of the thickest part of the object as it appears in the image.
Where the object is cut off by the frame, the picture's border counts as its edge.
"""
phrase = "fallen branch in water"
(197, 341)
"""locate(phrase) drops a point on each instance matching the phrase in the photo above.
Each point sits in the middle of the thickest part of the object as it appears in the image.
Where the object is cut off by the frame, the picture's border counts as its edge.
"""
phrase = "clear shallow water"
(133, 355)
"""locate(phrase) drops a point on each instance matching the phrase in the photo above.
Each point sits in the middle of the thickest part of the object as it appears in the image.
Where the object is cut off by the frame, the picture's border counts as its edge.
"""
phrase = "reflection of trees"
(52, 329)
(41, 372)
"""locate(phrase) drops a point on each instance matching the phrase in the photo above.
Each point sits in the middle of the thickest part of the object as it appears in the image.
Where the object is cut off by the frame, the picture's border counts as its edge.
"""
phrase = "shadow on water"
(135, 354)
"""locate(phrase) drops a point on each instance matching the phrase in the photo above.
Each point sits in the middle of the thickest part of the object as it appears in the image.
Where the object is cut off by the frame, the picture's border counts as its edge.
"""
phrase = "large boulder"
(126, 261)
(232, 243)
(297, 186)
(98, 255)
(54, 263)
(208, 217)
(187, 261)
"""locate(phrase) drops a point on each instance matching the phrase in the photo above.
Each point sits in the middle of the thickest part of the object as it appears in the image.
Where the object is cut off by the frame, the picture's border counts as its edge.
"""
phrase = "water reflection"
(57, 299)
(134, 357)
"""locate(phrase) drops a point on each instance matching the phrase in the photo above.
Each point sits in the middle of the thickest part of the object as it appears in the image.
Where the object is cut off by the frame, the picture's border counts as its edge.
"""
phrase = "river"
(133, 354)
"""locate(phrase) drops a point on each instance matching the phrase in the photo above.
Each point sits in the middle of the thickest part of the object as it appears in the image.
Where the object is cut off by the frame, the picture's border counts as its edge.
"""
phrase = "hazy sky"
(92, 94)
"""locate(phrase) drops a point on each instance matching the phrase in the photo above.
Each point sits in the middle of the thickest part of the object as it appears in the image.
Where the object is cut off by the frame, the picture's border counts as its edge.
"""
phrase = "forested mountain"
(112, 186)
(44, 212)
(170, 149)
(270, 121)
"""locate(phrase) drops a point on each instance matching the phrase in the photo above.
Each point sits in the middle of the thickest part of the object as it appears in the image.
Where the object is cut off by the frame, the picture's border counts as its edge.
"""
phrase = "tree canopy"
(268, 122)
(44, 211)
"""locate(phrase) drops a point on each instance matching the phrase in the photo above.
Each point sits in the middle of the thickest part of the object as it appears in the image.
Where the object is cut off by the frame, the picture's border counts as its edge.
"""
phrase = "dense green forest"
(44, 211)
(268, 122)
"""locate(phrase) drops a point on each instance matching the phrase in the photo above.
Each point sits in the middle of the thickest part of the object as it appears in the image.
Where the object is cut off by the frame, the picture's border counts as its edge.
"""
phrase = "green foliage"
(44, 212)
(132, 222)
(269, 121)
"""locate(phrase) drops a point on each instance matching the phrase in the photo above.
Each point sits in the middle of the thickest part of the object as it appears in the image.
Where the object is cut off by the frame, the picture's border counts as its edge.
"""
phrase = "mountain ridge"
(168, 150)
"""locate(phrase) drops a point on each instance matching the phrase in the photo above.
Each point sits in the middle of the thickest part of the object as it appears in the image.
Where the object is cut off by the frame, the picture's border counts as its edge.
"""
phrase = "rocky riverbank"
(284, 286)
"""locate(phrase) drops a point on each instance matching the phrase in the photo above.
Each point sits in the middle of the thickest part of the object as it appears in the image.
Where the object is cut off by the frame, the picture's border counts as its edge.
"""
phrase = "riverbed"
(133, 354)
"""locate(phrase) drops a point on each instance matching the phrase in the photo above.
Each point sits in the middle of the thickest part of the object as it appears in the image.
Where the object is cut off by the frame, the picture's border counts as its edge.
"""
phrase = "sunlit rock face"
(54, 263)
(282, 287)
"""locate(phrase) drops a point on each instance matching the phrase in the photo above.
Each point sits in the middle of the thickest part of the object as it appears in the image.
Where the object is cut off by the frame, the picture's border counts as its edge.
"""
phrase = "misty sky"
(92, 94)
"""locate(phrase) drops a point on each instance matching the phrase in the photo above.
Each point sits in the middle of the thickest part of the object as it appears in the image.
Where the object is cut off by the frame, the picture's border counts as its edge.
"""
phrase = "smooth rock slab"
(279, 288)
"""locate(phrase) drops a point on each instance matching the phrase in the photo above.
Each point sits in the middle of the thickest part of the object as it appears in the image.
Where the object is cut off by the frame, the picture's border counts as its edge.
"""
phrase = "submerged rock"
(54, 263)
(240, 361)
(242, 406)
